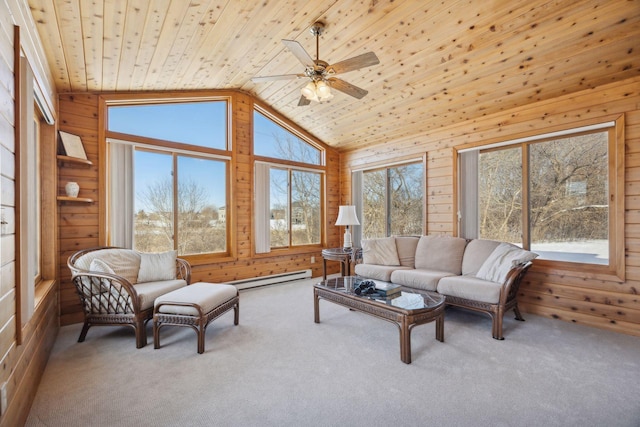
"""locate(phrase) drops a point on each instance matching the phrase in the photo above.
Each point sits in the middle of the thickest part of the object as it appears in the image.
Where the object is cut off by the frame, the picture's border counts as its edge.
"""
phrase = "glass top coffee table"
(406, 311)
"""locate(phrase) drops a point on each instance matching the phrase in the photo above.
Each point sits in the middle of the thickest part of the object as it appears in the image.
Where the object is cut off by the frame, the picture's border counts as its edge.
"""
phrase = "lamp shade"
(347, 216)
(309, 91)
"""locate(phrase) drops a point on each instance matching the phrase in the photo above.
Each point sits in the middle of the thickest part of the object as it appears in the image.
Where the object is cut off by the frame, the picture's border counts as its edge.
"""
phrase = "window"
(271, 139)
(294, 207)
(391, 200)
(288, 187)
(169, 193)
(555, 195)
(202, 123)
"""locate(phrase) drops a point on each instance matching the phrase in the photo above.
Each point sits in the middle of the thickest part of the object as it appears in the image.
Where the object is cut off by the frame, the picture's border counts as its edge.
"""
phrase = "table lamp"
(347, 216)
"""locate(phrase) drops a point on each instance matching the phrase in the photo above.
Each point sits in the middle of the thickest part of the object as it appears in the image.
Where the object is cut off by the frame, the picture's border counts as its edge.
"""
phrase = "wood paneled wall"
(79, 222)
(572, 296)
(22, 360)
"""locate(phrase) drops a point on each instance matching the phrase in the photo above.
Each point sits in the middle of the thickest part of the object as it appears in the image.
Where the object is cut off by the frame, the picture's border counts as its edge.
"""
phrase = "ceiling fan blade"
(280, 77)
(365, 60)
(303, 101)
(299, 52)
(347, 88)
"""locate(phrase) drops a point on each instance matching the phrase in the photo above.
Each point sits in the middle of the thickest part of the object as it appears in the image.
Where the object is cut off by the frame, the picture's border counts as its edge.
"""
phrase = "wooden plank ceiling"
(441, 61)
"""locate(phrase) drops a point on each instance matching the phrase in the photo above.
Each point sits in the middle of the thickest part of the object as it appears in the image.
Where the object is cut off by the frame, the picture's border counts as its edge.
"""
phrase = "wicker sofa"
(481, 275)
(119, 286)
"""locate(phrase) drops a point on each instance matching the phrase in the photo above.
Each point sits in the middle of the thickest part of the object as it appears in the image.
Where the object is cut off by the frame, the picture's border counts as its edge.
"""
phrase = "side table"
(344, 256)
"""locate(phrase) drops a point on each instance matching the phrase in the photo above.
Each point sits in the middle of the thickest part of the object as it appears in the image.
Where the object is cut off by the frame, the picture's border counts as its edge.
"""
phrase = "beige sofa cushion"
(440, 253)
(157, 266)
(377, 272)
(207, 295)
(470, 288)
(426, 280)
(380, 251)
(124, 262)
(406, 246)
(476, 252)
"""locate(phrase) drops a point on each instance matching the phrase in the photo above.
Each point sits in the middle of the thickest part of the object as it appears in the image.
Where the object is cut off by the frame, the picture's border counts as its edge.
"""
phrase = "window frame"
(615, 269)
(34, 126)
(174, 148)
(290, 170)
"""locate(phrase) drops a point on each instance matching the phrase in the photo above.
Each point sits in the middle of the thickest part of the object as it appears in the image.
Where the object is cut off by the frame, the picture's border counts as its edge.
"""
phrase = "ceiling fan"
(321, 73)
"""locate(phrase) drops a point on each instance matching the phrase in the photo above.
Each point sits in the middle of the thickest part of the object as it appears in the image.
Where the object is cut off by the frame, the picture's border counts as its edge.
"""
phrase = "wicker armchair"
(111, 299)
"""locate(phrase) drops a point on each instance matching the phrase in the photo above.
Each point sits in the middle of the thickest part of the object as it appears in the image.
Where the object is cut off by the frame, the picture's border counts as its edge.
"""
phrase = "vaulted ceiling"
(441, 61)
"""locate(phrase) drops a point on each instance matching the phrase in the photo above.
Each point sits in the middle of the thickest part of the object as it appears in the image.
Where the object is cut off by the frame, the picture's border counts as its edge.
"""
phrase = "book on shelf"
(387, 290)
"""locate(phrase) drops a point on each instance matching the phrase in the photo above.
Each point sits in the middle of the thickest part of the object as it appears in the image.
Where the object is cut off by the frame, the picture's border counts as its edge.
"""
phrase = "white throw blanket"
(503, 258)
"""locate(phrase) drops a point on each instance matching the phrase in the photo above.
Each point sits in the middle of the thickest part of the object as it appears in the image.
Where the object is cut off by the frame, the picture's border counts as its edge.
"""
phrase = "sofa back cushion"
(123, 262)
(157, 266)
(440, 253)
(475, 254)
(406, 246)
(380, 251)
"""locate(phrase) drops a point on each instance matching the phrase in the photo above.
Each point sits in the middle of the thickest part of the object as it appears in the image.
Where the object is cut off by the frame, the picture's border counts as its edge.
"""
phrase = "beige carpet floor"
(279, 368)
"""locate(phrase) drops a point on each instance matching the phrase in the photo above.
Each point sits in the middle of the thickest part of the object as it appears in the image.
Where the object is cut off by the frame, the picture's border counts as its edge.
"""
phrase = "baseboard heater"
(272, 279)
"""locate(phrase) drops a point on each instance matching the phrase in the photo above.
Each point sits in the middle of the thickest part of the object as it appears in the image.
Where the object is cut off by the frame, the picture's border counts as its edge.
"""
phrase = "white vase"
(72, 189)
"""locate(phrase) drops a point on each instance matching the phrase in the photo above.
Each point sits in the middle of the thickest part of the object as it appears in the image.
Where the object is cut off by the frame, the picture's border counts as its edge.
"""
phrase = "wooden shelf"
(74, 199)
(76, 160)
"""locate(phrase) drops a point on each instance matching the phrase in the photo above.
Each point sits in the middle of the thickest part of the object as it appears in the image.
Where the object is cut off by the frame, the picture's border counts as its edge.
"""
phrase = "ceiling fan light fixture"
(309, 91)
(322, 73)
(323, 90)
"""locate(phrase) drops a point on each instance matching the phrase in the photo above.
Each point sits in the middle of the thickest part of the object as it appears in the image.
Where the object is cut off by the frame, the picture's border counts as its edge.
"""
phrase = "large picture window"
(169, 193)
(390, 200)
(289, 178)
(555, 195)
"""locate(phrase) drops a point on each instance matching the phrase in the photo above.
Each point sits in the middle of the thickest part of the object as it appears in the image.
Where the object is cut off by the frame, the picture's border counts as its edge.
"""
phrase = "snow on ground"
(586, 251)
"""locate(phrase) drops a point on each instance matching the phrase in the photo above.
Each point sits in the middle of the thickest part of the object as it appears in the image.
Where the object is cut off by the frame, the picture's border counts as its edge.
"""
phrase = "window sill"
(42, 291)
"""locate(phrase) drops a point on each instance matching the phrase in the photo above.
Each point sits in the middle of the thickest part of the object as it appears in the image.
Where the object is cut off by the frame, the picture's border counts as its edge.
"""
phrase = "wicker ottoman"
(194, 306)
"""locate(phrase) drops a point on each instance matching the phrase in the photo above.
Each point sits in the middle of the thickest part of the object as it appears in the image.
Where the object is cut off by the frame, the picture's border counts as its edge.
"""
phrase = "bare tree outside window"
(393, 201)
(201, 224)
(568, 197)
(295, 193)
(500, 195)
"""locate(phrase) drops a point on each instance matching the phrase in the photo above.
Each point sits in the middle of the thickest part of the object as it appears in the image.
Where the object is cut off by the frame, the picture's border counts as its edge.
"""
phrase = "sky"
(198, 123)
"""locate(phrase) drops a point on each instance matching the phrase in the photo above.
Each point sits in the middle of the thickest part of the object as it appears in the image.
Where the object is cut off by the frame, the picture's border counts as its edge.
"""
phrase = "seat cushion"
(207, 295)
(149, 291)
(440, 253)
(426, 280)
(471, 288)
(377, 272)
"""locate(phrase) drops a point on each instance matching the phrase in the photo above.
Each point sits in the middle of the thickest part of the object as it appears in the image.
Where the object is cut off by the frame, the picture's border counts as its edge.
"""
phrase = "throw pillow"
(100, 266)
(380, 251)
(157, 266)
(503, 258)
(98, 285)
(124, 262)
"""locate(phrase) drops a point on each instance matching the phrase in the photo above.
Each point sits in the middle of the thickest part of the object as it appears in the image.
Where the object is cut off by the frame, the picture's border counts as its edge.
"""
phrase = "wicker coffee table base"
(404, 319)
